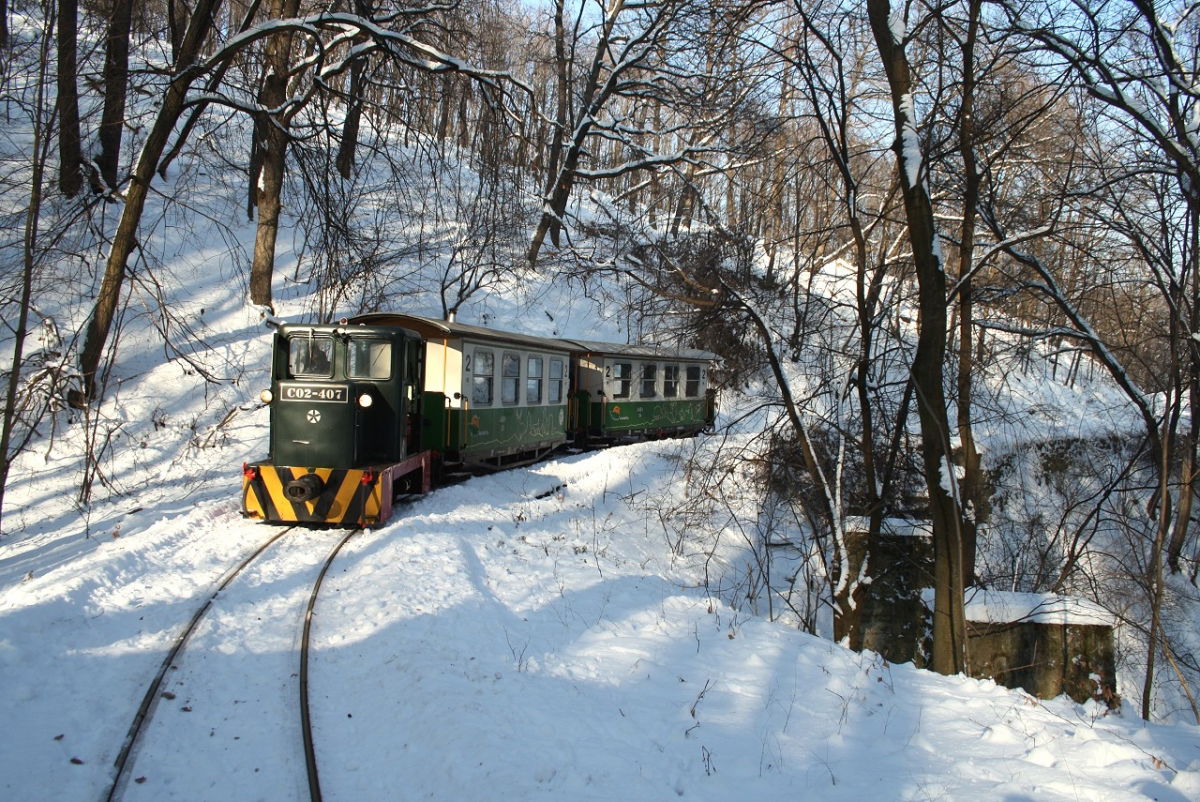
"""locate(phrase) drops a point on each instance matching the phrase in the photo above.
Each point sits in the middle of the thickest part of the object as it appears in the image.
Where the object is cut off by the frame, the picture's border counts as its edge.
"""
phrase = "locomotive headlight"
(365, 400)
(266, 396)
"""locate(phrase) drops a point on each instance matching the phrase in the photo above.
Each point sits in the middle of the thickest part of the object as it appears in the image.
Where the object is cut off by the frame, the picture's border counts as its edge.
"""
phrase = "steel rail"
(152, 692)
(310, 754)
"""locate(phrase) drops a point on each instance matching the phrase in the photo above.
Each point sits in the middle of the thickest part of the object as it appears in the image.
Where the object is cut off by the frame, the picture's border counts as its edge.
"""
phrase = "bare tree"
(11, 441)
(125, 238)
(70, 151)
(645, 55)
(354, 104)
(270, 145)
(827, 56)
(949, 624)
(330, 31)
(1141, 66)
(116, 81)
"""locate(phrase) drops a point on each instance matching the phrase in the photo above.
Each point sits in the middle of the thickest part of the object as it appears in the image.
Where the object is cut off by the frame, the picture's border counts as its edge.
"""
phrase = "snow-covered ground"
(494, 642)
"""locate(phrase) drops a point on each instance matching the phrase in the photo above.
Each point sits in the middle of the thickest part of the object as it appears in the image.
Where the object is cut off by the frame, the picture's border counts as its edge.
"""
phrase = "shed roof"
(985, 606)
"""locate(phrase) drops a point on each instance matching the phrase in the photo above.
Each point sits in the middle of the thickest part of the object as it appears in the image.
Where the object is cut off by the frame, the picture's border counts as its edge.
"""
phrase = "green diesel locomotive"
(384, 405)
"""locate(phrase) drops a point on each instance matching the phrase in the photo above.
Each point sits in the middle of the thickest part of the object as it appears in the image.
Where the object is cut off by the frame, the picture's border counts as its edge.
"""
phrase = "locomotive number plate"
(313, 392)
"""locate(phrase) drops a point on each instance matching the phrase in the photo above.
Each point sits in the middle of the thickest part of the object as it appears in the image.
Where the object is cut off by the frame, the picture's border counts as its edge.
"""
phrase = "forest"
(877, 213)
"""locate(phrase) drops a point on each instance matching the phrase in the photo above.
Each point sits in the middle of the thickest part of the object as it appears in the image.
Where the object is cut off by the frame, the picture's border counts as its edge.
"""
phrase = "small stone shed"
(1044, 643)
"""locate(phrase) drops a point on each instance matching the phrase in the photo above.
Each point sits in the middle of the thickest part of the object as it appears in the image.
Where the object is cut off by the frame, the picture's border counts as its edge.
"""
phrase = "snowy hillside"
(495, 642)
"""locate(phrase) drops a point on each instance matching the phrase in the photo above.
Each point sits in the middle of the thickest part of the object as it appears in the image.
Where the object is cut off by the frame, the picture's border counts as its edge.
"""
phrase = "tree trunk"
(272, 147)
(125, 238)
(70, 151)
(175, 13)
(268, 190)
(971, 488)
(562, 88)
(1191, 367)
(949, 625)
(1155, 585)
(354, 103)
(116, 78)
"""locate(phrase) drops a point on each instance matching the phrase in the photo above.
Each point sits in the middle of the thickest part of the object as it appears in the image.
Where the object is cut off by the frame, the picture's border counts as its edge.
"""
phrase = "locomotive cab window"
(692, 387)
(622, 378)
(649, 377)
(533, 382)
(310, 356)
(482, 378)
(369, 359)
(510, 378)
(670, 381)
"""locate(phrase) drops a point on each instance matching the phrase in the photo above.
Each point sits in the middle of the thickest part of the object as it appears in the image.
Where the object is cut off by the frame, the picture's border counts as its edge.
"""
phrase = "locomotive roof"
(427, 326)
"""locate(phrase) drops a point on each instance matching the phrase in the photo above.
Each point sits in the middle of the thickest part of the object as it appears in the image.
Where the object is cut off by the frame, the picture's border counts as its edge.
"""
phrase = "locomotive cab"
(342, 402)
(342, 396)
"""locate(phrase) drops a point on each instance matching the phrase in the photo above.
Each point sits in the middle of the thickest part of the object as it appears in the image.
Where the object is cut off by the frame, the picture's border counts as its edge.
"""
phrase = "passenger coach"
(624, 391)
(490, 397)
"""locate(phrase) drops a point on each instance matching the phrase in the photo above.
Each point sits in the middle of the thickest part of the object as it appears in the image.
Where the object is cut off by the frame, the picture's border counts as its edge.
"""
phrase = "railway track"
(126, 758)
(310, 754)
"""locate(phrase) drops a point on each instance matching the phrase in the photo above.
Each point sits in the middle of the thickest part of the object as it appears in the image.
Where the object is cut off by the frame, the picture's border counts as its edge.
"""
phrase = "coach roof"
(432, 327)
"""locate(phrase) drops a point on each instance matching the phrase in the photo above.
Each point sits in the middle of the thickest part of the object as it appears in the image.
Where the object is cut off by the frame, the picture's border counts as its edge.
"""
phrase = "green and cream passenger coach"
(632, 391)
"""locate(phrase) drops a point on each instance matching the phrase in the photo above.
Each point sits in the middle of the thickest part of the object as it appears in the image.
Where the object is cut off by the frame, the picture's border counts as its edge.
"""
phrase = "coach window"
(482, 377)
(670, 381)
(692, 388)
(370, 359)
(555, 389)
(622, 378)
(533, 381)
(311, 356)
(649, 378)
(510, 378)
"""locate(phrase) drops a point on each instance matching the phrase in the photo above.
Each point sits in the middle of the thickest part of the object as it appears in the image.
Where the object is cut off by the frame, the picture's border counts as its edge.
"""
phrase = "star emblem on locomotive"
(314, 416)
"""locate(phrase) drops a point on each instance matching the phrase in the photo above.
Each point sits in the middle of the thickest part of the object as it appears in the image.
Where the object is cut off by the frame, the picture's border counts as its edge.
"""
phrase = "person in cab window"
(312, 359)
(318, 362)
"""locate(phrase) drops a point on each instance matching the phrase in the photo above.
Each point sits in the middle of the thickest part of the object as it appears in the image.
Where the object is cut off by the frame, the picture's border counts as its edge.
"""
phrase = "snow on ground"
(524, 635)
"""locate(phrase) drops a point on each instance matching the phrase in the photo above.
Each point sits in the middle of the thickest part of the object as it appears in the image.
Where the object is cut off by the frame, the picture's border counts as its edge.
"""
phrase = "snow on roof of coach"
(642, 351)
(433, 327)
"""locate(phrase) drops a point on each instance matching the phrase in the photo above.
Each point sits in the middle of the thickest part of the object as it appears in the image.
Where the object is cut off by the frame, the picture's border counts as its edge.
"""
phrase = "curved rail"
(310, 754)
(152, 692)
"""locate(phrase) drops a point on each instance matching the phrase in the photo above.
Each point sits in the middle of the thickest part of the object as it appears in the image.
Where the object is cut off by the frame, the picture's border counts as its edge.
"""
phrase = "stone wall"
(894, 618)
(1047, 645)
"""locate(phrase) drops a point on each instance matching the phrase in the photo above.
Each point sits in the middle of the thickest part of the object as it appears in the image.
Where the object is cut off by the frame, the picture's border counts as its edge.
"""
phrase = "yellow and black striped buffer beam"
(334, 496)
